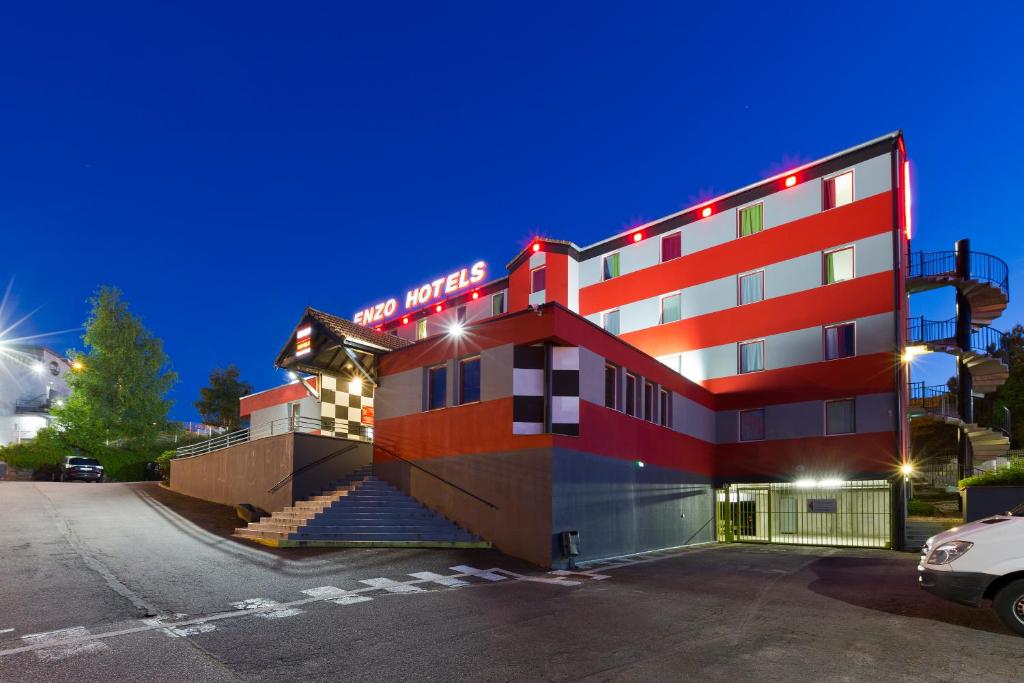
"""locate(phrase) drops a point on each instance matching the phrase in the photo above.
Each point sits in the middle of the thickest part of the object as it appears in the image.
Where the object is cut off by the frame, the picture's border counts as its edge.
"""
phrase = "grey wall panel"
(708, 297)
(591, 376)
(709, 232)
(590, 272)
(794, 420)
(876, 334)
(876, 413)
(538, 259)
(639, 315)
(692, 418)
(872, 177)
(399, 394)
(574, 285)
(537, 298)
(793, 348)
(640, 255)
(496, 372)
(873, 254)
(620, 508)
(793, 275)
(708, 363)
(727, 426)
(792, 204)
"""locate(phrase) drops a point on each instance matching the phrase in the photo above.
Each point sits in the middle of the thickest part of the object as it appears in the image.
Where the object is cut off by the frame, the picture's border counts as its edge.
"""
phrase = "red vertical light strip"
(906, 199)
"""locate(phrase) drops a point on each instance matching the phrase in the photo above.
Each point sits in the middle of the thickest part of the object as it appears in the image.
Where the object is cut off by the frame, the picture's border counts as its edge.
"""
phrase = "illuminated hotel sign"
(425, 294)
(303, 341)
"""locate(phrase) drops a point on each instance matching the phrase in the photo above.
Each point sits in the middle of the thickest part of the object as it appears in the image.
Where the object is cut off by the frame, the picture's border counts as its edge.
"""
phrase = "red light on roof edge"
(536, 246)
(791, 181)
(405, 320)
(438, 308)
(705, 212)
(476, 295)
(637, 236)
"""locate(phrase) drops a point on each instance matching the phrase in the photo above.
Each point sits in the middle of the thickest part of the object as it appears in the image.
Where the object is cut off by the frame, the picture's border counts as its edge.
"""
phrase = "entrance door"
(787, 514)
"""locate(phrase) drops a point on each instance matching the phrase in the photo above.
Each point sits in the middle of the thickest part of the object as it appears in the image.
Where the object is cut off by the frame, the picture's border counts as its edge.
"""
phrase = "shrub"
(1013, 475)
(920, 508)
(44, 454)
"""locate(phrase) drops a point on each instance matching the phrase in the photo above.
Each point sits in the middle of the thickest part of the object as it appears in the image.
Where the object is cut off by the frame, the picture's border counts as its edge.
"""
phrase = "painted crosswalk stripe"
(391, 586)
(336, 595)
(590, 574)
(64, 650)
(264, 608)
(442, 580)
(6, 630)
(479, 573)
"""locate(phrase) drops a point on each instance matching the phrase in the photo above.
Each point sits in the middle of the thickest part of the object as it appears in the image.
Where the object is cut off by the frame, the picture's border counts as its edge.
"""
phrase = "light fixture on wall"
(355, 386)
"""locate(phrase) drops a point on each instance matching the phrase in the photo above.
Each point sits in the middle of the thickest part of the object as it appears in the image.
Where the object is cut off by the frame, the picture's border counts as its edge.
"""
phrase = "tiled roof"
(341, 327)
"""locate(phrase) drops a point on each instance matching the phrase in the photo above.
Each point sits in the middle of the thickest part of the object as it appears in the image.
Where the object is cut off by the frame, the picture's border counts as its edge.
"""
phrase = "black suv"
(78, 468)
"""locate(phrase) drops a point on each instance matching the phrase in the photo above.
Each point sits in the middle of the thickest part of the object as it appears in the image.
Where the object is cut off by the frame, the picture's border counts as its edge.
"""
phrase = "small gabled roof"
(346, 329)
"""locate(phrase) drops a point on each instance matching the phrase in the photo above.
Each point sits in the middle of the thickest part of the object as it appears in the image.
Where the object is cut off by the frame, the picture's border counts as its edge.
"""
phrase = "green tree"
(119, 384)
(218, 402)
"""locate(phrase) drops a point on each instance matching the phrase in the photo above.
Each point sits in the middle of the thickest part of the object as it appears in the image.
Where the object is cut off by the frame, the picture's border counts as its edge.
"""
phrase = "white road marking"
(79, 636)
(479, 573)
(391, 586)
(55, 648)
(269, 609)
(431, 577)
(6, 630)
(336, 595)
(590, 574)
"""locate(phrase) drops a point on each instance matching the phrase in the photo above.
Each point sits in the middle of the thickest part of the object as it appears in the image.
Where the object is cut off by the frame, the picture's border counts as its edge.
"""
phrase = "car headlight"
(947, 552)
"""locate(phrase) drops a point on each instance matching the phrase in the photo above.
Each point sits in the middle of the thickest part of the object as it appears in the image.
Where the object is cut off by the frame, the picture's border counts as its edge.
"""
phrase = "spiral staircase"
(982, 294)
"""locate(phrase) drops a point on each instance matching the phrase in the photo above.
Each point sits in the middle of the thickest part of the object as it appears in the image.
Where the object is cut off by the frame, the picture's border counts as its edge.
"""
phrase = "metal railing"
(939, 400)
(284, 425)
(984, 340)
(40, 404)
(984, 267)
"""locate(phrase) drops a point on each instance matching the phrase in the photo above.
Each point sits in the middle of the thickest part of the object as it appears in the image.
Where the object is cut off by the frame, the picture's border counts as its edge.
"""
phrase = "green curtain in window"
(751, 220)
(830, 268)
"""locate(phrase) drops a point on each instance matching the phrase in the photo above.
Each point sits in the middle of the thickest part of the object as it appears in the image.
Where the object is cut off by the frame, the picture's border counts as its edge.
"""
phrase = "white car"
(983, 560)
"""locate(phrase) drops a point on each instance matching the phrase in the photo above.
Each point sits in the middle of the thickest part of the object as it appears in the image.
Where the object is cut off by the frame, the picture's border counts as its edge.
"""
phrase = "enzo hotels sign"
(425, 294)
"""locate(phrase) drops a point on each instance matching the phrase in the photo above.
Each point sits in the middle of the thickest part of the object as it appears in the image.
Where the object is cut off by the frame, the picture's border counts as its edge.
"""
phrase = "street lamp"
(77, 365)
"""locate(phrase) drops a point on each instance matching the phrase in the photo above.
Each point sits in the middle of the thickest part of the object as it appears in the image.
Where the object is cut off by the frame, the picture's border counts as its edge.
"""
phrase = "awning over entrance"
(326, 344)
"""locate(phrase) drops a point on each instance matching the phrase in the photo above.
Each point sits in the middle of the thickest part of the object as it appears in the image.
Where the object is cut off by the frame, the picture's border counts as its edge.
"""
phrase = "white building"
(32, 381)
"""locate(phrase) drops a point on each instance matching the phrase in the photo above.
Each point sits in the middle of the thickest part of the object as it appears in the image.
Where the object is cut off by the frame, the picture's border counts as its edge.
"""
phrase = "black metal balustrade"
(984, 267)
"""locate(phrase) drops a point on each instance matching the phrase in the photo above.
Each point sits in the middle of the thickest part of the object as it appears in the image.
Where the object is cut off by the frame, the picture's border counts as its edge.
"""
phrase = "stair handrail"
(985, 340)
(938, 263)
(282, 425)
(390, 452)
(309, 466)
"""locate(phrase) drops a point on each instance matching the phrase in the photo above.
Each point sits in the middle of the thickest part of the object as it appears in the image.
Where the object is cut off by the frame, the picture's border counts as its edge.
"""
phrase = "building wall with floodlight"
(33, 380)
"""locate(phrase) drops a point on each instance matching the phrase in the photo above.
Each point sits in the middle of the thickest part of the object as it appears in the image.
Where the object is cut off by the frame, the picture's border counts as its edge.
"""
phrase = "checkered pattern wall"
(529, 410)
(343, 407)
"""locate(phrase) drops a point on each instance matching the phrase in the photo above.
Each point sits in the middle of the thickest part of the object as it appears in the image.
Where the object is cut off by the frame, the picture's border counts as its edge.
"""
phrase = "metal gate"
(837, 513)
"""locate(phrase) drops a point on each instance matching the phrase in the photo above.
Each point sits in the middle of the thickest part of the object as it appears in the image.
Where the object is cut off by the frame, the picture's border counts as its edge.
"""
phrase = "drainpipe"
(965, 384)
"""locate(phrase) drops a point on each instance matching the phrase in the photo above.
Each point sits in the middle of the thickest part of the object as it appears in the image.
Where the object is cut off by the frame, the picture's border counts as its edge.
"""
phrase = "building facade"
(735, 371)
(32, 382)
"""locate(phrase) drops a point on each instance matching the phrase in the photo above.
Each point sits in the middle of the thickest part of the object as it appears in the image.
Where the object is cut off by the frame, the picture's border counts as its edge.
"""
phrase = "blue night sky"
(227, 164)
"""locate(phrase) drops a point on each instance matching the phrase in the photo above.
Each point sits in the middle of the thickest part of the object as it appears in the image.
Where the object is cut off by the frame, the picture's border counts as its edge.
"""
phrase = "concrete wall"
(517, 483)
(984, 501)
(620, 508)
(246, 472)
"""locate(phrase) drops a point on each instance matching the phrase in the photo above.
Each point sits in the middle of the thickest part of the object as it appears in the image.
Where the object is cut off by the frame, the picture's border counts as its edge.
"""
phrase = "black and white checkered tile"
(530, 410)
(341, 406)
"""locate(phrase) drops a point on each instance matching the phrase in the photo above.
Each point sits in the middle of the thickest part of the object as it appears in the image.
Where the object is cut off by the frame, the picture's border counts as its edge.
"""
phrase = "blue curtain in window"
(752, 288)
(752, 357)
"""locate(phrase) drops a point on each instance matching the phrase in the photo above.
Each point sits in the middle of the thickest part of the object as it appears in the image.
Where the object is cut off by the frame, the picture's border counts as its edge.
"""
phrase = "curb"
(286, 543)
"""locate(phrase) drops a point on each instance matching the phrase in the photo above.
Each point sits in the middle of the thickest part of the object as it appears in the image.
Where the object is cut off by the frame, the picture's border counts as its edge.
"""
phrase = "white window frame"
(747, 206)
(604, 320)
(423, 322)
(824, 340)
(739, 287)
(739, 356)
(616, 393)
(504, 302)
(853, 187)
(661, 245)
(824, 416)
(739, 425)
(607, 256)
(661, 307)
(461, 365)
(836, 250)
(533, 272)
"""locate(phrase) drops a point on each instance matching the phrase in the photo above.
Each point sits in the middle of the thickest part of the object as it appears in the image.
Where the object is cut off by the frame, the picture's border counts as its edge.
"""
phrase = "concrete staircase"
(359, 510)
(920, 529)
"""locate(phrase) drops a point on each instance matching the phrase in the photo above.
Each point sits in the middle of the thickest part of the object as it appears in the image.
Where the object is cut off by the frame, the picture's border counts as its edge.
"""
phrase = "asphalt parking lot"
(108, 582)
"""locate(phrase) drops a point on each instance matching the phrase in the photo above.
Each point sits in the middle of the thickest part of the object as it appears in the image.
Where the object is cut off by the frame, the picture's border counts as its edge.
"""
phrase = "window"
(839, 341)
(751, 356)
(675, 362)
(750, 219)
(469, 380)
(611, 266)
(841, 416)
(421, 328)
(671, 246)
(498, 303)
(751, 287)
(648, 401)
(460, 314)
(671, 308)
(839, 265)
(837, 191)
(611, 387)
(538, 279)
(630, 395)
(664, 408)
(611, 322)
(752, 425)
(437, 387)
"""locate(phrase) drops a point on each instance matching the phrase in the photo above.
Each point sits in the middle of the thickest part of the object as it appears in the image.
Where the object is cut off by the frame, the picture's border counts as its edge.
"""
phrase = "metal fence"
(984, 340)
(284, 425)
(826, 512)
(937, 263)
